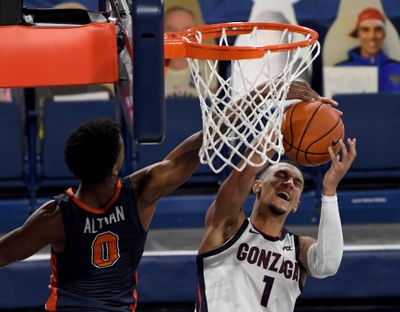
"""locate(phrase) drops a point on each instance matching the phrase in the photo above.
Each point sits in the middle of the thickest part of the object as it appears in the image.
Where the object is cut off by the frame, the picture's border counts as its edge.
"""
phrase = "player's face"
(371, 33)
(281, 188)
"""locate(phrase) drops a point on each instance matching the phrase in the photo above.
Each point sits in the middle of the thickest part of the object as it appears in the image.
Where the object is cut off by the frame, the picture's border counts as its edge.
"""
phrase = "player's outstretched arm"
(322, 258)
(157, 180)
(225, 215)
(44, 227)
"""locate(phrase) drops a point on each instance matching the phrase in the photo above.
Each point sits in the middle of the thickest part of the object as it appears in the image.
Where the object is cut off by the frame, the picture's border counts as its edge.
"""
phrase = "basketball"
(308, 130)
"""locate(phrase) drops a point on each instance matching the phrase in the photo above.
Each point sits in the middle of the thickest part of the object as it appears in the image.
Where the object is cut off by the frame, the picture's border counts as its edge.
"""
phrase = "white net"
(242, 118)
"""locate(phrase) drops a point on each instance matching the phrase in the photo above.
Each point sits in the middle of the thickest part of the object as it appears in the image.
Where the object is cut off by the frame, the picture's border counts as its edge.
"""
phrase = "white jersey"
(250, 272)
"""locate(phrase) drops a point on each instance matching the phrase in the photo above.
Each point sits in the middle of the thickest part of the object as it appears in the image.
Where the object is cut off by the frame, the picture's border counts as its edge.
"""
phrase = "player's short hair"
(286, 161)
(91, 150)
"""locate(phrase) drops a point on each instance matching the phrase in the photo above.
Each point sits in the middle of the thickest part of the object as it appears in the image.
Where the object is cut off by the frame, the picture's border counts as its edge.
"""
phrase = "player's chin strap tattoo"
(324, 257)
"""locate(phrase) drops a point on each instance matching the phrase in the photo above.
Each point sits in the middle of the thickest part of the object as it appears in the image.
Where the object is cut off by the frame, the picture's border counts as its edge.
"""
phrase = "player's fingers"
(343, 149)
(352, 147)
(329, 101)
(333, 104)
(332, 155)
(302, 90)
(338, 111)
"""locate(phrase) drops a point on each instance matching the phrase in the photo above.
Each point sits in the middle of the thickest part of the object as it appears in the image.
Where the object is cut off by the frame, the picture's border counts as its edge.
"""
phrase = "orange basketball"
(308, 129)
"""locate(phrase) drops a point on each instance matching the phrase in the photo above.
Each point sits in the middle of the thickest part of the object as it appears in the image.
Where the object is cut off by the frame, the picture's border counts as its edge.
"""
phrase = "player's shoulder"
(49, 208)
(47, 218)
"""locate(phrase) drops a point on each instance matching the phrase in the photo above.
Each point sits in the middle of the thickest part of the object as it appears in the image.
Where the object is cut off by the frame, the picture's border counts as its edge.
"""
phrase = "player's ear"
(114, 171)
(296, 207)
(256, 187)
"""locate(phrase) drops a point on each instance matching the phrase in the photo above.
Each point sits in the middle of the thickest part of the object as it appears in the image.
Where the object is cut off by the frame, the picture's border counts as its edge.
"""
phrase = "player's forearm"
(329, 190)
(10, 250)
(324, 257)
(179, 165)
(189, 147)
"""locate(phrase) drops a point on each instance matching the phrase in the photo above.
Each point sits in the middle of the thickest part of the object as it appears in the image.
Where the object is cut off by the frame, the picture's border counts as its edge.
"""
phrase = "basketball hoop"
(245, 113)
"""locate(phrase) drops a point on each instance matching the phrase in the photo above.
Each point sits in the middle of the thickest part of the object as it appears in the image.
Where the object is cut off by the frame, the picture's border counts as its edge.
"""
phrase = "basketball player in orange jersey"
(97, 232)
(255, 264)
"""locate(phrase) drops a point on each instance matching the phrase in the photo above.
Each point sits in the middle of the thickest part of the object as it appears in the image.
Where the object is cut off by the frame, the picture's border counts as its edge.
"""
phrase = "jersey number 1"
(269, 282)
(105, 250)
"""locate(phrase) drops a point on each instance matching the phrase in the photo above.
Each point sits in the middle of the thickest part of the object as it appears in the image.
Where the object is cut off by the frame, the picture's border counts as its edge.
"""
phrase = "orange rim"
(184, 44)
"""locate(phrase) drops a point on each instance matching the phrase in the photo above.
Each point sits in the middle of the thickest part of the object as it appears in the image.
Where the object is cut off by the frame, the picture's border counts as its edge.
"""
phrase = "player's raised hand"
(340, 164)
(300, 89)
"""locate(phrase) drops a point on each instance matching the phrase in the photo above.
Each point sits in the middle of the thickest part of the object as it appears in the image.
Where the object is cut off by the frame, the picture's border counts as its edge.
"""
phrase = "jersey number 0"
(105, 250)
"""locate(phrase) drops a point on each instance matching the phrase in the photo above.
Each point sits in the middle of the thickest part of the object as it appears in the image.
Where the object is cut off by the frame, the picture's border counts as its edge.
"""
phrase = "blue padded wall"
(189, 211)
(183, 118)
(13, 213)
(11, 143)
(372, 206)
(172, 278)
(374, 120)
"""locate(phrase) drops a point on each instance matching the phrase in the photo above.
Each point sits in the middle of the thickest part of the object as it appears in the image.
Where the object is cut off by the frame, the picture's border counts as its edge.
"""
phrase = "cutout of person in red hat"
(370, 30)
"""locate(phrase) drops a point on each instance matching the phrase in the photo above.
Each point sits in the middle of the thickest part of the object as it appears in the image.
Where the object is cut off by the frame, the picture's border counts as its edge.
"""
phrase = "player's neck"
(96, 195)
(268, 224)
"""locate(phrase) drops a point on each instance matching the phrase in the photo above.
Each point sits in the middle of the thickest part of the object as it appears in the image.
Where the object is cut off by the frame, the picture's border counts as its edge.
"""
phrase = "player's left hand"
(340, 164)
(300, 89)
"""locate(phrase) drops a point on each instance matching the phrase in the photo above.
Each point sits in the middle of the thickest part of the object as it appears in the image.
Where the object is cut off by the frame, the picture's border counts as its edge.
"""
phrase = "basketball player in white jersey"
(255, 264)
